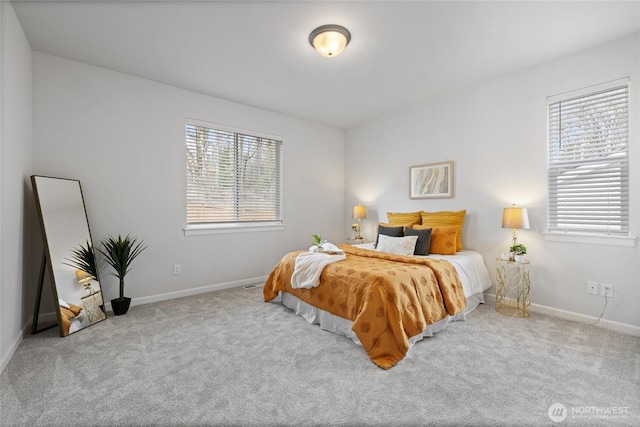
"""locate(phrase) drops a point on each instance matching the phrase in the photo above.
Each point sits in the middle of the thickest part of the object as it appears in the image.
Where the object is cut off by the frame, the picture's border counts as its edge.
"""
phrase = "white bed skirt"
(331, 322)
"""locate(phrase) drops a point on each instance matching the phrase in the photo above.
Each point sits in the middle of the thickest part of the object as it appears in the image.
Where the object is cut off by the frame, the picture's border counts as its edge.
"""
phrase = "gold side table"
(512, 288)
(92, 304)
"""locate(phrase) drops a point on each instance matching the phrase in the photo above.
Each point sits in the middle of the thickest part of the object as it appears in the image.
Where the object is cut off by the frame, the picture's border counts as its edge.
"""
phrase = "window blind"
(232, 176)
(588, 170)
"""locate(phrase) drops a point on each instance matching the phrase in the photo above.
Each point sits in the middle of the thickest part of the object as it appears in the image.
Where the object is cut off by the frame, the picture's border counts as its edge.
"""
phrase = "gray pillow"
(389, 231)
(424, 240)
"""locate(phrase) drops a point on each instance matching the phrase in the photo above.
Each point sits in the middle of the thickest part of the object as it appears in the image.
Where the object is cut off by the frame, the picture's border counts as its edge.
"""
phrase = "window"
(588, 175)
(234, 177)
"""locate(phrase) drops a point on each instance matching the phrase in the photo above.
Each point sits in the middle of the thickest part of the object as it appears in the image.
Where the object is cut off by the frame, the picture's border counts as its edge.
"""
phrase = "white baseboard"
(192, 291)
(12, 349)
(577, 317)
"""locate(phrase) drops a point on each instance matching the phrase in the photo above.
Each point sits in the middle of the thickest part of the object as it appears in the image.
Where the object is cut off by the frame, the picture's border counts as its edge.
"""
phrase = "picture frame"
(431, 181)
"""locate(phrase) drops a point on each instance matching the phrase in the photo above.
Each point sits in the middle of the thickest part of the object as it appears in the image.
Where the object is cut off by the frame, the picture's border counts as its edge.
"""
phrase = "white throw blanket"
(309, 266)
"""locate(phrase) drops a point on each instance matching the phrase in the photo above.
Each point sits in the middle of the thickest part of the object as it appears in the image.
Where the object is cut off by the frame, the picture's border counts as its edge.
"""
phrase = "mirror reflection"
(68, 246)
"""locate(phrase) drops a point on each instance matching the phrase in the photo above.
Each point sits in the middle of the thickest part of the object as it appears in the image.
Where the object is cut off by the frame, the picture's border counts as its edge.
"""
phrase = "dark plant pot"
(119, 306)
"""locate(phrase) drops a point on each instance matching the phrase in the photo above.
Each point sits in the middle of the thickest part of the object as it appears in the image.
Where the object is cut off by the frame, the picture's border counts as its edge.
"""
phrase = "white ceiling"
(257, 53)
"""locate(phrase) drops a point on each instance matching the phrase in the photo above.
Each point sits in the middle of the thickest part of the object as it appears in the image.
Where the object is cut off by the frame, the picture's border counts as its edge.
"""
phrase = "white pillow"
(397, 245)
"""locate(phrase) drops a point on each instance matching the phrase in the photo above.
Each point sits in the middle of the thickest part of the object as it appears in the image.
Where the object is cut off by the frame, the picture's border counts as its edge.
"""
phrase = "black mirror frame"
(47, 263)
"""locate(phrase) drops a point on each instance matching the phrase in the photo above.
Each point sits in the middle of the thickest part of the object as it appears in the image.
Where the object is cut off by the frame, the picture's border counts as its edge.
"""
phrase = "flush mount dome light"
(330, 40)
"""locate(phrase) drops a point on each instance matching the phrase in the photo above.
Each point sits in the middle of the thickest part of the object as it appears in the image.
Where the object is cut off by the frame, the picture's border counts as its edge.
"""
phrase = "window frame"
(623, 238)
(194, 229)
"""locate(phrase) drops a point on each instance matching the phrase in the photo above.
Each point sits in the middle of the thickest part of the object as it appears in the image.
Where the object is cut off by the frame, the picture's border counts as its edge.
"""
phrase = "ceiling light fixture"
(330, 40)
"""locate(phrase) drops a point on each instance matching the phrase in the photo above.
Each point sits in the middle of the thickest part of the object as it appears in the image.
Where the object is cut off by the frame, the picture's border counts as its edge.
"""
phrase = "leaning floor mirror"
(68, 255)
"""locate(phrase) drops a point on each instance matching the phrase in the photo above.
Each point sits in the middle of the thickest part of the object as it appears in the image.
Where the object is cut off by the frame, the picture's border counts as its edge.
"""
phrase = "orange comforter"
(389, 298)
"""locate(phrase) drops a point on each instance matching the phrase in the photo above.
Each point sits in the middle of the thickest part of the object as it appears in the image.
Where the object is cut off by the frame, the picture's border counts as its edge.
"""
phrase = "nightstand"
(92, 304)
(354, 241)
(512, 288)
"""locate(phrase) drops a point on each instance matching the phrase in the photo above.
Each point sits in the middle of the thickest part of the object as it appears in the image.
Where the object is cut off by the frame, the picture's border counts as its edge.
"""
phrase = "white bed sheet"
(471, 269)
(470, 266)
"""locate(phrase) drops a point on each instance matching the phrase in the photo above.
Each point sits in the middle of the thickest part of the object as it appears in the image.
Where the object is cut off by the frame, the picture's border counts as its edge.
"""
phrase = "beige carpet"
(227, 358)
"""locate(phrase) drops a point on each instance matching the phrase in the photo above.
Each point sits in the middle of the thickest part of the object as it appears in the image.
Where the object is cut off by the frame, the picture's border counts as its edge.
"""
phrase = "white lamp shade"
(359, 212)
(514, 217)
(83, 276)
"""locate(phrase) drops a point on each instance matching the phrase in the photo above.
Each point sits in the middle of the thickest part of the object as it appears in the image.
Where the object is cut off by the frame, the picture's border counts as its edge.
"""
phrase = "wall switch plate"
(177, 269)
(607, 290)
(592, 287)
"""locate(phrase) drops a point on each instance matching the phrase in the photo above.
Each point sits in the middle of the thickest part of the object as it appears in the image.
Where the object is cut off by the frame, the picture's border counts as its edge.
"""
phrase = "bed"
(383, 301)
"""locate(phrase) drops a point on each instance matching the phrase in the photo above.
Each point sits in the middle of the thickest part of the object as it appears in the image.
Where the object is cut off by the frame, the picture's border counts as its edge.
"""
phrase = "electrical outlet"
(607, 290)
(592, 287)
(176, 269)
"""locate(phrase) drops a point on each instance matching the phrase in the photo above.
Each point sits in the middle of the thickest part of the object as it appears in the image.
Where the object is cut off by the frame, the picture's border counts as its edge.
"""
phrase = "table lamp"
(359, 212)
(515, 218)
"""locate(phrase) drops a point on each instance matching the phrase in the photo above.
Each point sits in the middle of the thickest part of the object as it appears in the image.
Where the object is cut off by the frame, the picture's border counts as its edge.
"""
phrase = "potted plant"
(318, 241)
(83, 259)
(519, 251)
(119, 253)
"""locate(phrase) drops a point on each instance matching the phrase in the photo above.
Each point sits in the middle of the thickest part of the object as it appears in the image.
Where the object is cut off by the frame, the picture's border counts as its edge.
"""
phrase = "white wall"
(496, 135)
(16, 203)
(124, 138)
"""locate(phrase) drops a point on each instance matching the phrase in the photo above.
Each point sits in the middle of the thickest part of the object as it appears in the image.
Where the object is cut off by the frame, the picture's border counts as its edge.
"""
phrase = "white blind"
(232, 177)
(588, 178)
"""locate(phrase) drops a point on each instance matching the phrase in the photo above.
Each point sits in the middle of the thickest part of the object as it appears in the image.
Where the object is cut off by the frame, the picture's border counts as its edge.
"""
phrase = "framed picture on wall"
(431, 181)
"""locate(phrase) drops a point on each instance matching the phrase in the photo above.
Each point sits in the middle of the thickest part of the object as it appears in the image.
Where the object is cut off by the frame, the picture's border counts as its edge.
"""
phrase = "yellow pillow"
(435, 219)
(443, 239)
(404, 217)
(397, 224)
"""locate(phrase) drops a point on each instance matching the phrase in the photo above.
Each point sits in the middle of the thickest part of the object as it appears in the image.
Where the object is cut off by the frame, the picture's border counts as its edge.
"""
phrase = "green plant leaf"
(318, 240)
(518, 249)
(119, 253)
(83, 258)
